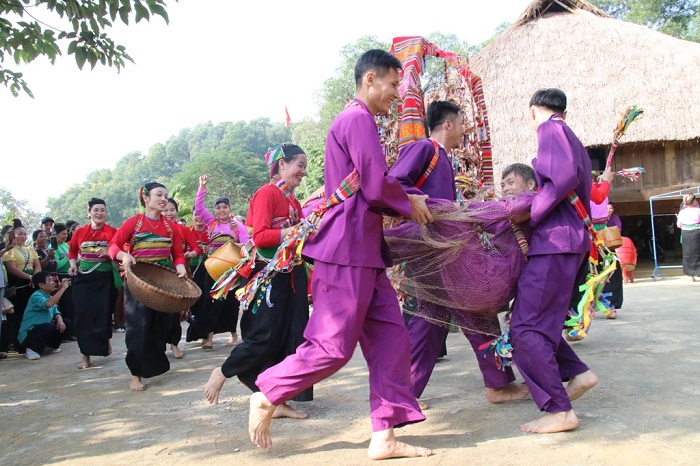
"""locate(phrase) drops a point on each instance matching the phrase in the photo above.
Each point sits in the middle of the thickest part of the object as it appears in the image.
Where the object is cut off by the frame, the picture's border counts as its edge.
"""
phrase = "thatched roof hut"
(604, 65)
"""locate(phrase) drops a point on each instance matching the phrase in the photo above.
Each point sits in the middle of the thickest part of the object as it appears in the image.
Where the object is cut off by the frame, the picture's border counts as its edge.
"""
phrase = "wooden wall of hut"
(669, 166)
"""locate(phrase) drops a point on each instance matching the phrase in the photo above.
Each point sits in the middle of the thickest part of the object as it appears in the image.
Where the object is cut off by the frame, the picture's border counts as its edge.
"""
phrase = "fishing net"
(464, 267)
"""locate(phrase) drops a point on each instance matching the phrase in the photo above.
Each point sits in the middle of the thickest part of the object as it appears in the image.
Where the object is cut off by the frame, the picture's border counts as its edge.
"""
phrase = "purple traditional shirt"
(219, 228)
(614, 221)
(561, 166)
(412, 162)
(351, 233)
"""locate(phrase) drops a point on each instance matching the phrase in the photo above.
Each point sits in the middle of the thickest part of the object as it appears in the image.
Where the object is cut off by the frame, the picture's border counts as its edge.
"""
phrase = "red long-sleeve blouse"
(267, 207)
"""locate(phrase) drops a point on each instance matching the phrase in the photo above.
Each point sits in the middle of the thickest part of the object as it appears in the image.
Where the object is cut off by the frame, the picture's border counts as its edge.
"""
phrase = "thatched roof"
(604, 65)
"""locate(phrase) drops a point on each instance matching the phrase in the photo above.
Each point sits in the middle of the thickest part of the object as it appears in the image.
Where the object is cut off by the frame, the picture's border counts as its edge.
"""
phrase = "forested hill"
(231, 152)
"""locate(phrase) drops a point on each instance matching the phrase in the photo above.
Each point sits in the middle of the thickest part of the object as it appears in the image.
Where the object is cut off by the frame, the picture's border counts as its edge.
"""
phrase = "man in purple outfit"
(424, 167)
(353, 298)
(558, 249)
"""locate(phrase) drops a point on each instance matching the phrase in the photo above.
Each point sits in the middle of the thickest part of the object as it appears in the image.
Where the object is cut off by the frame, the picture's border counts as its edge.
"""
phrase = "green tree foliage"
(231, 174)
(340, 88)
(499, 30)
(434, 67)
(24, 37)
(311, 136)
(11, 208)
(678, 18)
(231, 152)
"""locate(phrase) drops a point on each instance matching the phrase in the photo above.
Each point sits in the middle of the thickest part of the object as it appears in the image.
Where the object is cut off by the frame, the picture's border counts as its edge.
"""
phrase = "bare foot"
(580, 384)
(612, 315)
(177, 352)
(577, 337)
(384, 445)
(214, 385)
(232, 340)
(208, 343)
(511, 392)
(259, 420)
(552, 422)
(423, 406)
(86, 362)
(109, 351)
(284, 410)
(136, 385)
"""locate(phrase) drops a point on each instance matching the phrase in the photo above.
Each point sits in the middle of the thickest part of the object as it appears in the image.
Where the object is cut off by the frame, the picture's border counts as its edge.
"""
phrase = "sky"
(217, 60)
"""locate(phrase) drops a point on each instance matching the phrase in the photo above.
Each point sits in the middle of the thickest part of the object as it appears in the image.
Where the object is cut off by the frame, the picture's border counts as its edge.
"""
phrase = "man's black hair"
(439, 111)
(375, 60)
(40, 277)
(520, 169)
(554, 99)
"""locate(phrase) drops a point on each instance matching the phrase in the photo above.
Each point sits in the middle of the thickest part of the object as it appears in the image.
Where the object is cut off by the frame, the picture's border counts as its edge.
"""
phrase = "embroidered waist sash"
(153, 248)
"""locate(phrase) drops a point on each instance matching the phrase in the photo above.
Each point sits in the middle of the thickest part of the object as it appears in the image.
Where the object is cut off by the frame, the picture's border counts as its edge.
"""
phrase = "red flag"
(287, 120)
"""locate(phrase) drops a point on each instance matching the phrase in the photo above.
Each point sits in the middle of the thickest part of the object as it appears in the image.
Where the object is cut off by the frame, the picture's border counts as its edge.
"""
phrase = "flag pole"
(288, 124)
(291, 130)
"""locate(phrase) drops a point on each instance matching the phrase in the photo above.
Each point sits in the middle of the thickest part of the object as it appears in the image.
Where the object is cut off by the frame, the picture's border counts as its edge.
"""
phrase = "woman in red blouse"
(273, 327)
(147, 237)
(95, 283)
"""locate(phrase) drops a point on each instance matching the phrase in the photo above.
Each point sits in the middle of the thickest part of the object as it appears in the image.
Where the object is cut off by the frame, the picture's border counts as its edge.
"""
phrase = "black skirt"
(212, 315)
(94, 296)
(10, 329)
(691, 252)
(199, 276)
(272, 333)
(614, 287)
(146, 334)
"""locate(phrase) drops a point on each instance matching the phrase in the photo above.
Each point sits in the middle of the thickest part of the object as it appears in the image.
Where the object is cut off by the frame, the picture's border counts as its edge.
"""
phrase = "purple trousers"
(542, 355)
(352, 304)
(426, 342)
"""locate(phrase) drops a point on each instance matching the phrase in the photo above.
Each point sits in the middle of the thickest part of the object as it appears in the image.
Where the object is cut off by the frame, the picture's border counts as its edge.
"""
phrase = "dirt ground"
(645, 409)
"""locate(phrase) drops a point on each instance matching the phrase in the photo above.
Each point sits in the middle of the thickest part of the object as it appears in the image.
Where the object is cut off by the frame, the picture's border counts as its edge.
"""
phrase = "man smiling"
(353, 298)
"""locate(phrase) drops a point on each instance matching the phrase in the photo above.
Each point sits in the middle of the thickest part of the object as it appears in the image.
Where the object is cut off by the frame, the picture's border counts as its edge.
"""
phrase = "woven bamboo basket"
(611, 237)
(160, 288)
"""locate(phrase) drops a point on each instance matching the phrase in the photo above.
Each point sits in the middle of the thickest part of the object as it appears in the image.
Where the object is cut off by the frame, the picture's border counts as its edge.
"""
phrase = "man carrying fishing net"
(424, 167)
(353, 298)
(558, 250)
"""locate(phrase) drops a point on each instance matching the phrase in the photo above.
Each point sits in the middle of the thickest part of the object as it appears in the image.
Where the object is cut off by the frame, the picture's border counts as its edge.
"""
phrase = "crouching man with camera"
(43, 325)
